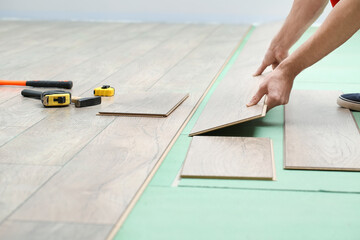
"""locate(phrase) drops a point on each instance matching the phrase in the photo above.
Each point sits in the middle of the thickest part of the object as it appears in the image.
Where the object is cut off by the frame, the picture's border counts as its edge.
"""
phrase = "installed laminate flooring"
(227, 105)
(319, 134)
(89, 169)
(17, 182)
(229, 157)
(32, 230)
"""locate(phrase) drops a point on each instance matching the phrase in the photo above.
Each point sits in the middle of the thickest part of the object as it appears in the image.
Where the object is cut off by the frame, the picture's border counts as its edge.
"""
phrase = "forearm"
(302, 14)
(338, 27)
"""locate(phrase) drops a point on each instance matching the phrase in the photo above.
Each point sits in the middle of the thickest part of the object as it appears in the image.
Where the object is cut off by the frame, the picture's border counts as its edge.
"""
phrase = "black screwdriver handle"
(31, 93)
(56, 84)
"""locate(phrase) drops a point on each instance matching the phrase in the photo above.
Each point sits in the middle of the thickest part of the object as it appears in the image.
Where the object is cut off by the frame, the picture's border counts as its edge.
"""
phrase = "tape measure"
(55, 98)
(104, 91)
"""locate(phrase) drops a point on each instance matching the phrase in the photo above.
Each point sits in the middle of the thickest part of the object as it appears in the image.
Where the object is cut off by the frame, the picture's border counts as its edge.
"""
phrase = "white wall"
(219, 11)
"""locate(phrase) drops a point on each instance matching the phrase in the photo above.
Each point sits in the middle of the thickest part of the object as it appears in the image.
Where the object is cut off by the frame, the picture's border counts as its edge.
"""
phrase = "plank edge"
(228, 124)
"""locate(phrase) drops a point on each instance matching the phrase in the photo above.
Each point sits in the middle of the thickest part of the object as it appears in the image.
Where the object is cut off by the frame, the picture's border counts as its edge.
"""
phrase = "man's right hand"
(277, 86)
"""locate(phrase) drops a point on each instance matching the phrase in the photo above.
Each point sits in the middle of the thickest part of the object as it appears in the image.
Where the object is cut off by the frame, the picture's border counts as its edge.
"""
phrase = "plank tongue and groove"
(151, 104)
(319, 134)
(227, 105)
(229, 157)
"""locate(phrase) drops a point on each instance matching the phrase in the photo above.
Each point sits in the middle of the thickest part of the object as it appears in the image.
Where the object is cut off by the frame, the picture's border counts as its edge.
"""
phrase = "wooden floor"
(311, 142)
(229, 158)
(67, 173)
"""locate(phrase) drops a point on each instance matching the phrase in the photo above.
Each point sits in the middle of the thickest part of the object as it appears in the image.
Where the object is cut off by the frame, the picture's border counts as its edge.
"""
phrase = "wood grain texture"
(44, 61)
(229, 157)
(19, 230)
(150, 68)
(25, 29)
(81, 126)
(200, 62)
(227, 105)
(150, 104)
(9, 25)
(21, 113)
(72, 45)
(90, 73)
(319, 134)
(54, 33)
(18, 182)
(100, 180)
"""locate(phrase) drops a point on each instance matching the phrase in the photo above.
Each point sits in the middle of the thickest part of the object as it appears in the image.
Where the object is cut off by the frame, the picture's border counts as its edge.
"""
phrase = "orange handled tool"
(38, 83)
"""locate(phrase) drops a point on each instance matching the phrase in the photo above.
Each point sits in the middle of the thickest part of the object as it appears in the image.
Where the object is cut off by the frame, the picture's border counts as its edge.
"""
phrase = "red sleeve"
(334, 2)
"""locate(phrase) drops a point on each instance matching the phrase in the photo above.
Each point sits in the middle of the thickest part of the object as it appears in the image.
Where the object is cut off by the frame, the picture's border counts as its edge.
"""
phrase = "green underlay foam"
(203, 213)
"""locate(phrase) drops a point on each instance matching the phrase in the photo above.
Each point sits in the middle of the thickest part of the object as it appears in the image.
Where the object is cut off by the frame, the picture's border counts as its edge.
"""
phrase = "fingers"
(274, 65)
(269, 104)
(257, 97)
(261, 69)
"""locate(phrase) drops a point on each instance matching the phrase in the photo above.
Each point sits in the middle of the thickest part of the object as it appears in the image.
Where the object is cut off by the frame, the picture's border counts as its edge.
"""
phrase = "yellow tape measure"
(104, 91)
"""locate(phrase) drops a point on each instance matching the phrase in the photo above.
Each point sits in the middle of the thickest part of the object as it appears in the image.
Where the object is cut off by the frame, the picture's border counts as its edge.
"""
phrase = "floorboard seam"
(76, 46)
(65, 222)
(55, 173)
(96, 56)
(131, 62)
(184, 57)
(20, 133)
(269, 189)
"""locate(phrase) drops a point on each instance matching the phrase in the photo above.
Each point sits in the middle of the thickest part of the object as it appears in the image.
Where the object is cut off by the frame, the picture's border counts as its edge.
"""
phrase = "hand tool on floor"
(54, 98)
(39, 83)
(58, 98)
(86, 102)
(104, 91)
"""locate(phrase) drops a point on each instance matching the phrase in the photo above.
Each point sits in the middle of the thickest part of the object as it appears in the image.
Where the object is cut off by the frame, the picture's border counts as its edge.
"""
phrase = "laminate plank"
(56, 138)
(48, 60)
(319, 134)
(25, 29)
(18, 230)
(107, 173)
(54, 33)
(90, 73)
(8, 132)
(69, 51)
(156, 104)
(18, 182)
(227, 105)
(229, 157)
(194, 65)
(154, 65)
(7, 25)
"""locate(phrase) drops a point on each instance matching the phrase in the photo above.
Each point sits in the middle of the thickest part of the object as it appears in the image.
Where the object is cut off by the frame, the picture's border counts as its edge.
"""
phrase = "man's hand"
(277, 86)
(274, 56)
